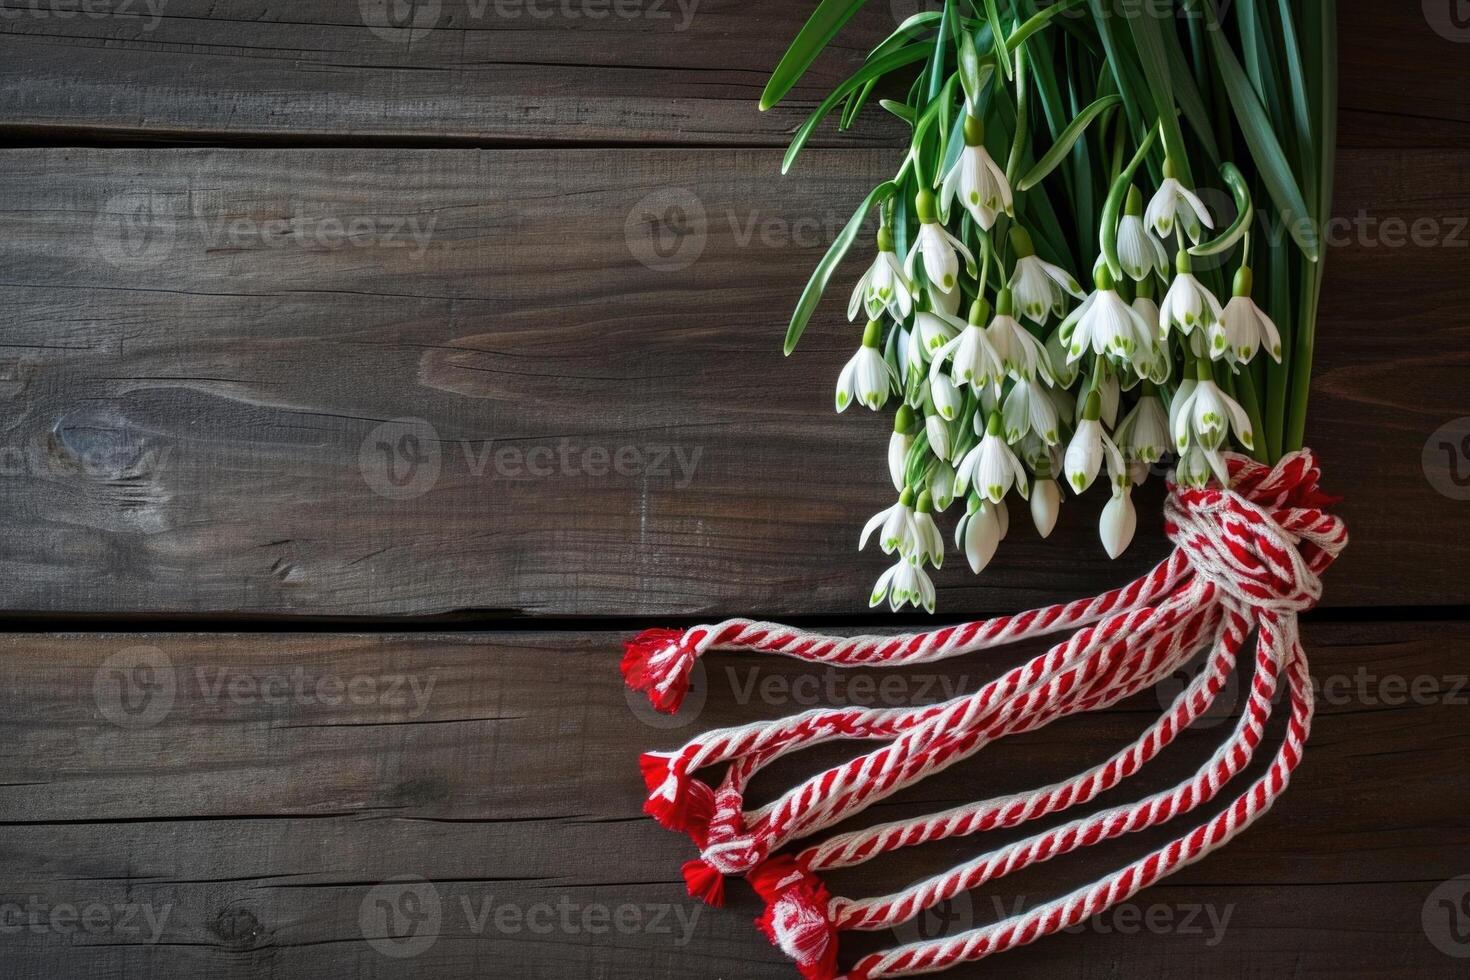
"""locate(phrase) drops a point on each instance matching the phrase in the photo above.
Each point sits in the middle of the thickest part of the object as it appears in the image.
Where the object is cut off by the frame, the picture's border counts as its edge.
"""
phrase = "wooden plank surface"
(205, 352)
(252, 799)
(620, 71)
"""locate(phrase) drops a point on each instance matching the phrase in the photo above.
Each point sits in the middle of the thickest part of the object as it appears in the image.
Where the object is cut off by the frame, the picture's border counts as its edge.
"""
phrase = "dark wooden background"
(198, 522)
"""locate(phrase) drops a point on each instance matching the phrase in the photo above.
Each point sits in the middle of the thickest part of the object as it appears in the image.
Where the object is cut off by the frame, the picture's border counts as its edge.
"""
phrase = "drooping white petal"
(981, 538)
(1140, 253)
(1118, 524)
(1046, 505)
(1084, 455)
(938, 430)
(899, 445)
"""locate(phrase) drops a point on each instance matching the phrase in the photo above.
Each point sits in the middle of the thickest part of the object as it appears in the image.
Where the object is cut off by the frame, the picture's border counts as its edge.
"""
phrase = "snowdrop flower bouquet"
(1053, 145)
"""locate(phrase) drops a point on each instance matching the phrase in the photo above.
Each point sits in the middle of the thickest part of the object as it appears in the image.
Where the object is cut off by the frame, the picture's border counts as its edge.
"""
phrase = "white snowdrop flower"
(978, 535)
(942, 302)
(904, 584)
(884, 286)
(981, 183)
(1040, 288)
(928, 542)
(1244, 327)
(1197, 466)
(1176, 204)
(1028, 409)
(1064, 370)
(1145, 307)
(1020, 353)
(941, 486)
(895, 526)
(867, 378)
(1088, 447)
(1207, 416)
(1118, 524)
(1108, 326)
(938, 430)
(1046, 505)
(899, 445)
(1003, 516)
(937, 247)
(991, 467)
(934, 330)
(973, 359)
(947, 400)
(1139, 252)
(1188, 304)
(1143, 435)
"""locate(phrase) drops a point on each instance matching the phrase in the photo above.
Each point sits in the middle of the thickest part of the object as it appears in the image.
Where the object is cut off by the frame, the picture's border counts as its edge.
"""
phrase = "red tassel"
(705, 883)
(693, 805)
(641, 675)
(796, 919)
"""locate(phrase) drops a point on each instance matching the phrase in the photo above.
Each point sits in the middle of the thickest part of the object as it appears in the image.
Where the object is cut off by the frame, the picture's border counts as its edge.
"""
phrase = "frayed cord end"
(678, 802)
(658, 663)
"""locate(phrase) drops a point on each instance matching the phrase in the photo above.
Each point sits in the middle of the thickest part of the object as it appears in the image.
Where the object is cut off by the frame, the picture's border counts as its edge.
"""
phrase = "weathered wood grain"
(666, 71)
(256, 819)
(201, 350)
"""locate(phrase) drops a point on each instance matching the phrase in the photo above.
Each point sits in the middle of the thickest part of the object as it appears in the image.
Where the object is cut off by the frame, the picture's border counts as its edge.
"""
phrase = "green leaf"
(812, 295)
(820, 29)
(1187, 93)
(1067, 140)
(1245, 213)
(1039, 21)
(1148, 41)
(1114, 207)
(1266, 151)
(974, 74)
(997, 30)
(873, 69)
(899, 109)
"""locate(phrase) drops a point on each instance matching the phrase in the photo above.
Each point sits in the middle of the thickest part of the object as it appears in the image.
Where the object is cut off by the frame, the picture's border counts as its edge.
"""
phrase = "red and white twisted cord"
(1248, 556)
